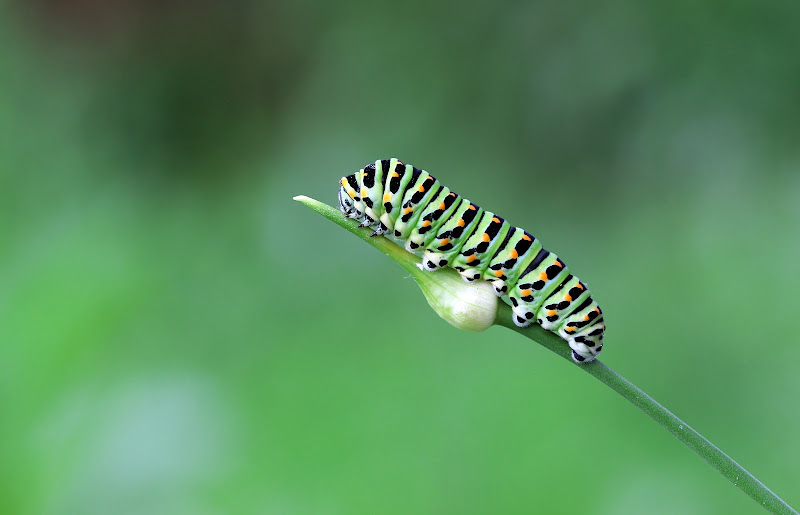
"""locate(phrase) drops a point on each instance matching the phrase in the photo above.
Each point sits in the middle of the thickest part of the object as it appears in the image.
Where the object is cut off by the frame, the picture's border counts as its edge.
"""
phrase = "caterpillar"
(409, 204)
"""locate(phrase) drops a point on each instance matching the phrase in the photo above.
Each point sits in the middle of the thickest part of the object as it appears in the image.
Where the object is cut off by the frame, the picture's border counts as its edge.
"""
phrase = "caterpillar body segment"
(432, 218)
(418, 193)
(452, 235)
(477, 252)
(394, 188)
(449, 230)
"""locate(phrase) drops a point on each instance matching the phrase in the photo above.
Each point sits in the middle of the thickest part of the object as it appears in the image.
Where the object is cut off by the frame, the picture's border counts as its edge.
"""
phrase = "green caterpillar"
(410, 204)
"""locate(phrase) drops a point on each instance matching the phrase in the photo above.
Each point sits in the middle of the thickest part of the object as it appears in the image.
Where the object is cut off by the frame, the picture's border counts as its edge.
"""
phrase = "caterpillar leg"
(366, 222)
(468, 274)
(579, 358)
(382, 229)
(500, 287)
(523, 314)
(434, 260)
(524, 320)
(428, 265)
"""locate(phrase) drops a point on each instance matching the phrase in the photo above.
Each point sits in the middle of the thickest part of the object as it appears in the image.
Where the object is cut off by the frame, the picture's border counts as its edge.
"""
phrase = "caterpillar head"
(347, 196)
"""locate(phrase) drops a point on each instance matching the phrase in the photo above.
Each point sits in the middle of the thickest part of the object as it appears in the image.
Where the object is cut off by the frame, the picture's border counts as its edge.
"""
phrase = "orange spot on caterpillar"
(495, 220)
(579, 285)
(444, 242)
(471, 258)
(498, 273)
(472, 207)
(514, 254)
(421, 188)
(460, 222)
(407, 210)
(551, 312)
(486, 237)
(395, 174)
(559, 263)
(568, 297)
(525, 293)
(526, 237)
(441, 206)
(364, 192)
(426, 223)
(387, 197)
(543, 276)
(586, 318)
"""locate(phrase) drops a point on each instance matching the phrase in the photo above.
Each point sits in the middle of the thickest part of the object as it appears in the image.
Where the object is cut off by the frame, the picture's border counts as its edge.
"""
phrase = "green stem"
(726, 466)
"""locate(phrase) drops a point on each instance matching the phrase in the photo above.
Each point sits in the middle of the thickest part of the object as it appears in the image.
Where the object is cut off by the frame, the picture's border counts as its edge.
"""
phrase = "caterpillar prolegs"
(449, 230)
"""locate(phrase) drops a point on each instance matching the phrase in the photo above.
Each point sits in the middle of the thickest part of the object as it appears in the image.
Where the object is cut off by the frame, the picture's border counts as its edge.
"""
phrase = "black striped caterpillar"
(449, 230)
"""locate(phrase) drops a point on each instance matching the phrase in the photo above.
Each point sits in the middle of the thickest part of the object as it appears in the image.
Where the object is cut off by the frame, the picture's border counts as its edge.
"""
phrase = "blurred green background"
(178, 336)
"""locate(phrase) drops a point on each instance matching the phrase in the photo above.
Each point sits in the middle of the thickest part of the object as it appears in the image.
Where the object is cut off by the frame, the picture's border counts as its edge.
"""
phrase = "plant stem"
(726, 466)
(691, 438)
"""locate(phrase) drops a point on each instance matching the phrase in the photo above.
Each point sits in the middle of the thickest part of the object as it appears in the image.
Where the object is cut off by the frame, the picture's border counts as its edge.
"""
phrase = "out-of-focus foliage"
(167, 340)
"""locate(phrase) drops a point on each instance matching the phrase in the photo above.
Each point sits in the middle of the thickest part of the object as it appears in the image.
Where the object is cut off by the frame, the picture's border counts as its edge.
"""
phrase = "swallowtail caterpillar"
(448, 230)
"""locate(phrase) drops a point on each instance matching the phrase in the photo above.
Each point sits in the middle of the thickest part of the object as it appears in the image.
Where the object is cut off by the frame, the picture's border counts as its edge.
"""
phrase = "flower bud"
(469, 306)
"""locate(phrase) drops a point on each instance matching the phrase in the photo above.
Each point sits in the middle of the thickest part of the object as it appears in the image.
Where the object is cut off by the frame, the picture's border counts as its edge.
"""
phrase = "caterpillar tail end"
(583, 354)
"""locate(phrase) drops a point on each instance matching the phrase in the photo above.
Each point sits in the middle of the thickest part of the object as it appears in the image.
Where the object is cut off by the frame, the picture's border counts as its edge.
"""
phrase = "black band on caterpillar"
(451, 231)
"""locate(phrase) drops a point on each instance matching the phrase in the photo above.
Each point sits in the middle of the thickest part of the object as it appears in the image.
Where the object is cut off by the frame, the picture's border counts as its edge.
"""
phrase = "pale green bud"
(469, 306)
